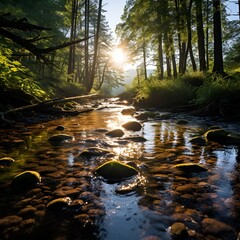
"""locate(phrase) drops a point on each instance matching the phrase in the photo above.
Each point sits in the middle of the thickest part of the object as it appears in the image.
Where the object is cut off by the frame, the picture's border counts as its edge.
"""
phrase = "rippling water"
(208, 203)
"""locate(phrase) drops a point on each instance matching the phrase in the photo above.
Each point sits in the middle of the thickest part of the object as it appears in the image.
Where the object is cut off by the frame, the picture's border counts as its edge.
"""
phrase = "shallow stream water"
(207, 203)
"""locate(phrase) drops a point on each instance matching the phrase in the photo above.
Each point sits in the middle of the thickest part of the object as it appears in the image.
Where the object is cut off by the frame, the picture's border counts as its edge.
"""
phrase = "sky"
(114, 10)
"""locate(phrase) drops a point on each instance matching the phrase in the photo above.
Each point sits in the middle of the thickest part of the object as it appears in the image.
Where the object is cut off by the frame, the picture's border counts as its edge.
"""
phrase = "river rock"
(59, 203)
(178, 231)
(200, 141)
(6, 161)
(59, 138)
(214, 227)
(116, 171)
(128, 111)
(133, 126)
(115, 133)
(25, 180)
(216, 135)
(190, 167)
(136, 139)
(60, 128)
(95, 152)
(11, 220)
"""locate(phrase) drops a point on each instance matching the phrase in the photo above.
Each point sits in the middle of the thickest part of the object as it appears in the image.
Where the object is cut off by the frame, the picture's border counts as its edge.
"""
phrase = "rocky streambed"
(181, 182)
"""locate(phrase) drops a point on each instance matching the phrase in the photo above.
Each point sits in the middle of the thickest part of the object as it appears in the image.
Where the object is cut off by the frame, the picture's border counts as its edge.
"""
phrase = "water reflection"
(160, 196)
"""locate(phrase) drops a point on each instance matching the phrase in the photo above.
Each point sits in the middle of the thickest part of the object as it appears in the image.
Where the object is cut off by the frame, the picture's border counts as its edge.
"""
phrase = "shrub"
(218, 89)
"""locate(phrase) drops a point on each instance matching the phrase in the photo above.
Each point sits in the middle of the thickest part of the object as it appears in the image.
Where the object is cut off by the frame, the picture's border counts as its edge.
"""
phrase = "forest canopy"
(64, 47)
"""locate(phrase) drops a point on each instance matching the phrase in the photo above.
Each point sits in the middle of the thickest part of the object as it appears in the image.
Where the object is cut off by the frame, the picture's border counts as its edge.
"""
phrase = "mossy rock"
(190, 167)
(133, 126)
(115, 133)
(217, 135)
(116, 171)
(25, 180)
(128, 111)
(59, 203)
(94, 152)
(200, 141)
(59, 138)
(6, 161)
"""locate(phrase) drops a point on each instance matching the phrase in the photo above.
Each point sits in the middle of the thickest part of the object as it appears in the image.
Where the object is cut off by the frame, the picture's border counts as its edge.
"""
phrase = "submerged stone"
(128, 111)
(198, 141)
(95, 152)
(6, 161)
(60, 128)
(133, 126)
(136, 139)
(59, 138)
(59, 203)
(25, 180)
(178, 231)
(116, 171)
(115, 133)
(190, 167)
(216, 135)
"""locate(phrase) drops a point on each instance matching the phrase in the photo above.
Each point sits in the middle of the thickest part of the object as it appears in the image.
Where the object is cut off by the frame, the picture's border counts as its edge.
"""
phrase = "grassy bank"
(204, 93)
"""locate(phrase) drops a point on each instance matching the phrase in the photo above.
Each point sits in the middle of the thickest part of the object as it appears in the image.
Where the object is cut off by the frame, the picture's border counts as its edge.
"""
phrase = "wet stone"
(178, 231)
(95, 152)
(132, 126)
(214, 227)
(60, 128)
(27, 211)
(136, 139)
(115, 171)
(58, 139)
(6, 161)
(10, 221)
(115, 133)
(59, 203)
(26, 180)
(67, 191)
(128, 111)
(200, 141)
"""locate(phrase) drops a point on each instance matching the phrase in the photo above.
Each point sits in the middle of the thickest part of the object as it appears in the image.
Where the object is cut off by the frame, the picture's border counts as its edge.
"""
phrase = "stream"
(164, 203)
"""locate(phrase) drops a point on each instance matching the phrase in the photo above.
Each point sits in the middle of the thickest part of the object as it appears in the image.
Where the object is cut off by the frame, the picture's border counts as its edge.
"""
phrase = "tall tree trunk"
(207, 35)
(174, 65)
(71, 61)
(169, 67)
(144, 60)
(160, 56)
(200, 34)
(86, 45)
(182, 45)
(95, 55)
(189, 30)
(217, 34)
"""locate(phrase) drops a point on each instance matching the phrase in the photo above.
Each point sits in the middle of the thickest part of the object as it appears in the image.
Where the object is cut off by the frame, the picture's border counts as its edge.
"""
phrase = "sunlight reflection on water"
(164, 196)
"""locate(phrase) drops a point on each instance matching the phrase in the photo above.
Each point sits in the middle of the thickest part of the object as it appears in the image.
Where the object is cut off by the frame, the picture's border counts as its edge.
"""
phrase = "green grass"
(192, 88)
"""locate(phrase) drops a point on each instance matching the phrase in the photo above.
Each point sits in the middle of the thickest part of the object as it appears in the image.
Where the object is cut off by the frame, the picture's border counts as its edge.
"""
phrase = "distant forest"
(63, 47)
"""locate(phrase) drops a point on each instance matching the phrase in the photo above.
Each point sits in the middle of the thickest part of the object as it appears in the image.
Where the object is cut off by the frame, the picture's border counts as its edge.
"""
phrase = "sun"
(118, 56)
